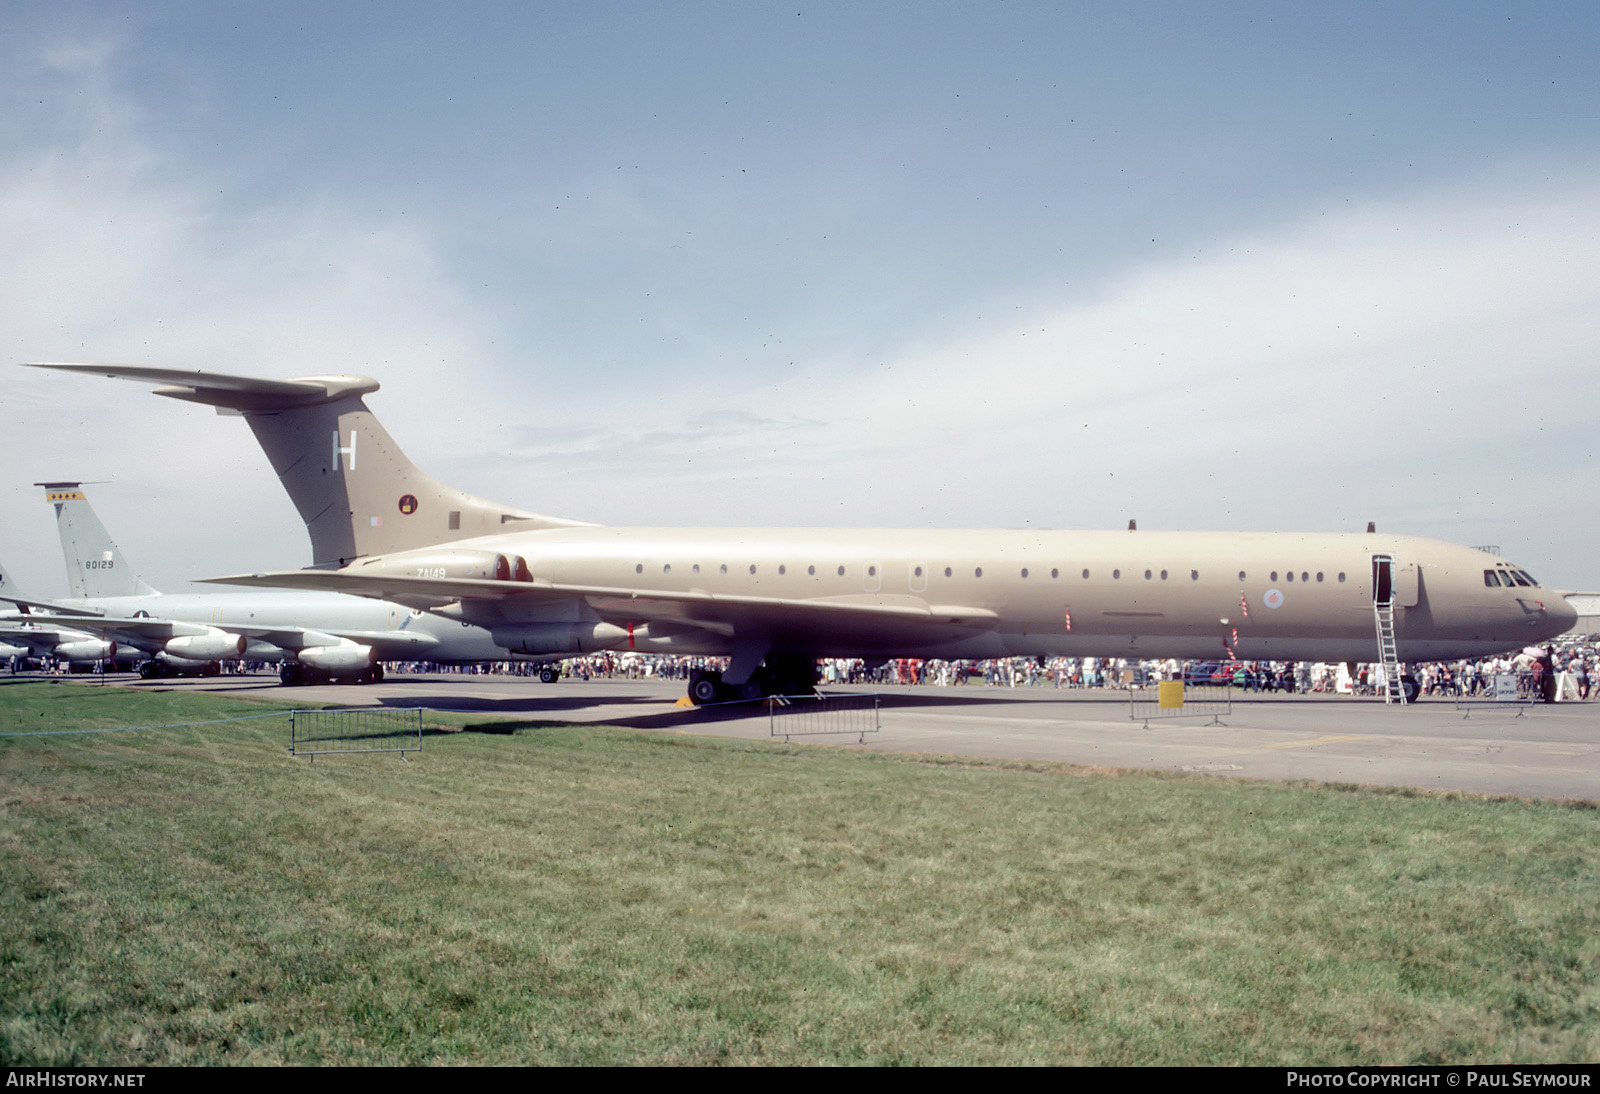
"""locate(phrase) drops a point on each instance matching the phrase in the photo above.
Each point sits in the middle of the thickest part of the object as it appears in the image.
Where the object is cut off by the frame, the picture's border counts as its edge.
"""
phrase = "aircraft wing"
(43, 638)
(693, 606)
(55, 609)
(390, 644)
(134, 629)
(141, 626)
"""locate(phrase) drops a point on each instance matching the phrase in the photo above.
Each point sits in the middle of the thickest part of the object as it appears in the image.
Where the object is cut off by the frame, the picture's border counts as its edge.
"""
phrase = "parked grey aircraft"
(775, 599)
(24, 636)
(312, 634)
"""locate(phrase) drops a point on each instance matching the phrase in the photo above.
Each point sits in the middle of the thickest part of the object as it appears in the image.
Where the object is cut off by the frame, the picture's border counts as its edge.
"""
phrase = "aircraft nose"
(1563, 615)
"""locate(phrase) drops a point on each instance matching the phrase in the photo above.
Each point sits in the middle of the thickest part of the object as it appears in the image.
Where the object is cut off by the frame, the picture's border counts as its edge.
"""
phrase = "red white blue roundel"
(1273, 599)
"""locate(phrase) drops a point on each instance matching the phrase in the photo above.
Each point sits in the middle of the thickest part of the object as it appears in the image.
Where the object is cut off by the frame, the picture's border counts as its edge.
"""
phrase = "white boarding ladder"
(1389, 654)
(1383, 614)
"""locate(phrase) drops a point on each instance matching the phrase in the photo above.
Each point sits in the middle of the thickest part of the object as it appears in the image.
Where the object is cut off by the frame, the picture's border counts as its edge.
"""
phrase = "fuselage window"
(1273, 576)
(811, 571)
(1086, 575)
(695, 568)
(977, 571)
(783, 569)
(1194, 575)
(667, 569)
(872, 571)
(1290, 575)
(916, 571)
(1341, 577)
(1241, 575)
(947, 571)
(1163, 575)
(1319, 575)
(723, 568)
(1116, 575)
(1024, 572)
(639, 569)
(1054, 574)
(841, 571)
(752, 567)
(1147, 575)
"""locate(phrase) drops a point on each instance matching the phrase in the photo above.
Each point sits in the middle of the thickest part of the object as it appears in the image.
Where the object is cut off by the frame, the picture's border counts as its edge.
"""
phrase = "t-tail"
(95, 565)
(356, 491)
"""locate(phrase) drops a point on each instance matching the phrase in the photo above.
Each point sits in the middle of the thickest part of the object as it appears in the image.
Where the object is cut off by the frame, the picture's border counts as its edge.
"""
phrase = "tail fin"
(95, 567)
(354, 488)
(8, 587)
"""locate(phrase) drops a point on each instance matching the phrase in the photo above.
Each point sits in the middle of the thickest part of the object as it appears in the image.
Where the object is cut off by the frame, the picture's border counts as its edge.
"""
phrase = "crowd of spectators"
(1572, 667)
(1567, 671)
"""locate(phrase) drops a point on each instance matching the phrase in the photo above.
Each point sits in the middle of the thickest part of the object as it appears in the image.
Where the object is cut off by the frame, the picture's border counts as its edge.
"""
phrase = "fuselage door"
(1405, 584)
(1382, 581)
(1393, 584)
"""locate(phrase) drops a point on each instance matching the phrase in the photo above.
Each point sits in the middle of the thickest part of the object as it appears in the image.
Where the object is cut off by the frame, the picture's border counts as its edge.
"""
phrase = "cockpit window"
(1491, 578)
(1524, 578)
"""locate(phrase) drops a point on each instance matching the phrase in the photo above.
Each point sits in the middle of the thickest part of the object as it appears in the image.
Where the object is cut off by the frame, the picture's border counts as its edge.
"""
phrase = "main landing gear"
(788, 675)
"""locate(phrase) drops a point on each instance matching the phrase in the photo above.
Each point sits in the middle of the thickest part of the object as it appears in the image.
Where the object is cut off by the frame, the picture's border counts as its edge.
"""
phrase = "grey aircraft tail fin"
(356, 491)
(95, 565)
(8, 587)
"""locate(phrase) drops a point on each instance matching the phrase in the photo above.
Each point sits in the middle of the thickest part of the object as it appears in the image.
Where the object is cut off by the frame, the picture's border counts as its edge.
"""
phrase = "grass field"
(195, 895)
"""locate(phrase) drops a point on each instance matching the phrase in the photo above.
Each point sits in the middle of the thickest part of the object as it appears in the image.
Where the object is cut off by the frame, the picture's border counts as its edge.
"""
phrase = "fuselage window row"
(1491, 578)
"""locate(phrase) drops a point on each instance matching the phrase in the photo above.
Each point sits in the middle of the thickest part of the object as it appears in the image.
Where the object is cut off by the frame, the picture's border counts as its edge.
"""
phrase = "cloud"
(1423, 360)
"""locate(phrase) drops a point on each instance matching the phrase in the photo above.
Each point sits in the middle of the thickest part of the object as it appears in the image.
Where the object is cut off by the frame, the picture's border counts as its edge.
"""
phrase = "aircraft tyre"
(705, 687)
(289, 674)
(152, 670)
(1410, 688)
(549, 674)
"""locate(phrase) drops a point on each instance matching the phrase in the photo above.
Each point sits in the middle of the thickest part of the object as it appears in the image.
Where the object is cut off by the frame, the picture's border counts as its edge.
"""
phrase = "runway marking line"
(1309, 742)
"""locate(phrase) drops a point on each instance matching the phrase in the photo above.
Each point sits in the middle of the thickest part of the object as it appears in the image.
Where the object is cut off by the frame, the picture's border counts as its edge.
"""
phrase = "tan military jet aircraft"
(774, 599)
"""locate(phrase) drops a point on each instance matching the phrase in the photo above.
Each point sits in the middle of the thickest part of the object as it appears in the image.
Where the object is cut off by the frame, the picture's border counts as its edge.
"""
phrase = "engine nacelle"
(443, 563)
(581, 637)
(214, 645)
(7, 652)
(85, 649)
(344, 659)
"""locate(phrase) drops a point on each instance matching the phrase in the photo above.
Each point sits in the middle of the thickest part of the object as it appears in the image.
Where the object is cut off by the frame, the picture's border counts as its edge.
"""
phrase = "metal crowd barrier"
(314, 733)
(1174, 699)
(821, 713)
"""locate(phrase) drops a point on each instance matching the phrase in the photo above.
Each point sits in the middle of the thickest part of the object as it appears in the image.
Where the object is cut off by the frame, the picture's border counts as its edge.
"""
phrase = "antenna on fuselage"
(1133, 526)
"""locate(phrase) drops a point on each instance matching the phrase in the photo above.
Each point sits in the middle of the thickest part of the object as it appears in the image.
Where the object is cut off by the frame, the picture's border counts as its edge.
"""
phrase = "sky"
(1252, 266)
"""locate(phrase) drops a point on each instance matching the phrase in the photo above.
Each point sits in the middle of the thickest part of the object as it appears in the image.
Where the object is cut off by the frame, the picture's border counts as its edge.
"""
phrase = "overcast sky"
(1271, 266)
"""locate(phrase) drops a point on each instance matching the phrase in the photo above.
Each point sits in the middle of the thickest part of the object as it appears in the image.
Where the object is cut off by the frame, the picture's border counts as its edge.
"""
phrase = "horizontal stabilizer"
(224, 390)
